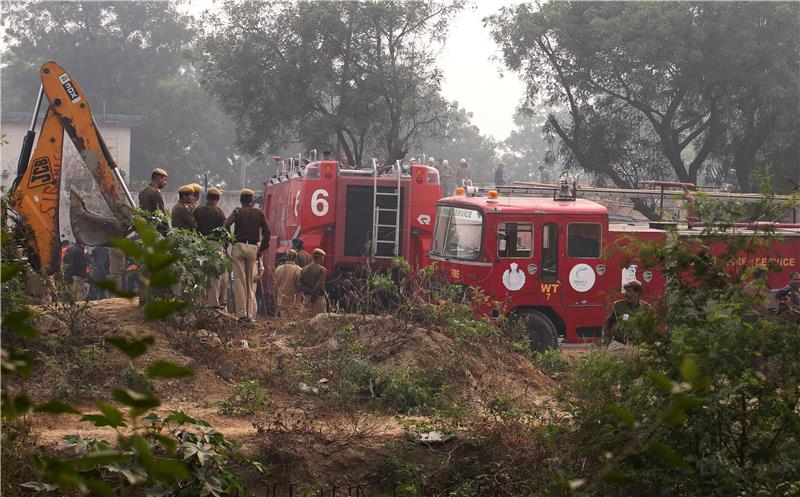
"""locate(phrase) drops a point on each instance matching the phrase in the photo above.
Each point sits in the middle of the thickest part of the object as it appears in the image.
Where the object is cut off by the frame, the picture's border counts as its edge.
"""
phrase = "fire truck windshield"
(458, 233)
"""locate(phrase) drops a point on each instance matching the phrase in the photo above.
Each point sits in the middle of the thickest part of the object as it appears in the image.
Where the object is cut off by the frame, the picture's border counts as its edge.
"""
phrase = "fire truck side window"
(583, 240)
(515, 240)
(549, 252)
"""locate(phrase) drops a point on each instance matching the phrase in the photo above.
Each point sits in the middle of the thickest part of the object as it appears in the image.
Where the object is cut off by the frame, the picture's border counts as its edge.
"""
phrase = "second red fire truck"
(554, 261)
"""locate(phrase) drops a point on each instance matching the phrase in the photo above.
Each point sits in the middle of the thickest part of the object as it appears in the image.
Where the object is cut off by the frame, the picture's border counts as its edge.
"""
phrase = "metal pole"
(27, 142)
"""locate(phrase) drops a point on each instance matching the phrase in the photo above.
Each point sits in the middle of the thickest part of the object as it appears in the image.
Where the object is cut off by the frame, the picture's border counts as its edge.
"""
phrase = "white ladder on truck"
(386, 227)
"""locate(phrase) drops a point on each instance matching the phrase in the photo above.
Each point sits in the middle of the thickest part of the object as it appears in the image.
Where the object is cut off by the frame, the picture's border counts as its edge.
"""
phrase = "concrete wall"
(116, 130)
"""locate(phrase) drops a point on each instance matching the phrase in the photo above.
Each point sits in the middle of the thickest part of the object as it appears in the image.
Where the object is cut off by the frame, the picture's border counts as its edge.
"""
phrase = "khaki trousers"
(244, 270)
(217, 292)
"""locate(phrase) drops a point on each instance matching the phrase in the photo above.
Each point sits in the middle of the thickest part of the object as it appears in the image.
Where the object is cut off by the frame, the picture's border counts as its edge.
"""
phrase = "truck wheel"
(541, 331)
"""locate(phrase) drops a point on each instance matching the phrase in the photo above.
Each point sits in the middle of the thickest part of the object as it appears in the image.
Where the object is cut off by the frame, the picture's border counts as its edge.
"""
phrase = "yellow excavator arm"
(35, 192)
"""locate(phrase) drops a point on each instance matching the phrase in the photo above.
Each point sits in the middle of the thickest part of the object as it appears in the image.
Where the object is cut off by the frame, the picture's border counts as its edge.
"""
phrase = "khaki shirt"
(150, 199)
(794, 295)
(183, 218)
(789, 314)
(286, 279)
(208, 218)
(312, 281)
(250, 222)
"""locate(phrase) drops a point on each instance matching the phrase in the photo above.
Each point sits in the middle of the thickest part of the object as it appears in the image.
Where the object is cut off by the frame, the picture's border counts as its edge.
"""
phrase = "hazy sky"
(469, 76)
(475, 81)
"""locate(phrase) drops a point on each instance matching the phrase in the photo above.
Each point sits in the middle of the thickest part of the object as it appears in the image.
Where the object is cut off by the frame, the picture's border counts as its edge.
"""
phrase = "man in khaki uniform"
(290, 299)
(303, 257)
(116, 267)
(312, 283)
(150, 197)
(209, 217)
(620, 311)
(786, 312)
(250, 228)
(181, 215)
(197, 189)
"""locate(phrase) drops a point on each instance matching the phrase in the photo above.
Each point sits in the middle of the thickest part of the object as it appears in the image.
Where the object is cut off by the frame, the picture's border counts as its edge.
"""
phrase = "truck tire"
(541, 331)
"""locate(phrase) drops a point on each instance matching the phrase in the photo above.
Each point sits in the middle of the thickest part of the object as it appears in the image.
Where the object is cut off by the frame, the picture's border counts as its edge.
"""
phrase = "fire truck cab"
(554, 261)
(351, 214)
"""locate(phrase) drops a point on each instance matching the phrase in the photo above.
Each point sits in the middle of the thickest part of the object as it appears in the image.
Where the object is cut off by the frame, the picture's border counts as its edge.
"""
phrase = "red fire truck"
(553, 260)
(351, 214)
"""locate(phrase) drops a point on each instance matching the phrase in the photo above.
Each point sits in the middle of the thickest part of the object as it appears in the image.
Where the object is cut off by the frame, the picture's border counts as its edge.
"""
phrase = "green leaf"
(665, 453)
(164, 369)
(158, 261)
(100, 488)
(689, 370)
(159, 309)
(17, 362)
(17, 322)
(56, 407)
(163, 279)
(169, 443)
(135, 399)
(14, 407)
(98, 458)
(8, 271)
(110, 416)
(133, 348)
(131, 248)
(112, 287)
(662, 381)
(622, 414)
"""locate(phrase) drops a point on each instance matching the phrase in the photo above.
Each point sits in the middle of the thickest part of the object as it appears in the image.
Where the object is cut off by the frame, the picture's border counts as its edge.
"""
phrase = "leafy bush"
(551, 361)
(249, 397)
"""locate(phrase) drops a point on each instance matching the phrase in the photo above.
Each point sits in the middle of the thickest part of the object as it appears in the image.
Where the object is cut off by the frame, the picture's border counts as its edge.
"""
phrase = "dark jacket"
(75, 261)
(208, 219)
(250, 226)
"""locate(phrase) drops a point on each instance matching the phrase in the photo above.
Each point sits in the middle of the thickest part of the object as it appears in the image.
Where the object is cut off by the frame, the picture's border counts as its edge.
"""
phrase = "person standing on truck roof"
(614, 333)
(462, 176)
(287, 275)
(251, 227)
(150, 198)
(181, 215)
(210, 217)
(499, 175)
(446, 178)
(794, 288)
(312, 283)
(303, 257)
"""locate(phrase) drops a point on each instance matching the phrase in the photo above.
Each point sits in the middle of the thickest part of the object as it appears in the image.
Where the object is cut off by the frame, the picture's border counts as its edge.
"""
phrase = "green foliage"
(651, 90)
(198, 260)
(249, 397)
(360, 97)
(174, 455)
(551, 361)
(711, 407)
(130, 61)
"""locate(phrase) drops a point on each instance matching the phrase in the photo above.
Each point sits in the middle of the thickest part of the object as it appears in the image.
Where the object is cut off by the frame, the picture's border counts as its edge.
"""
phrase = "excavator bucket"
(90, 228)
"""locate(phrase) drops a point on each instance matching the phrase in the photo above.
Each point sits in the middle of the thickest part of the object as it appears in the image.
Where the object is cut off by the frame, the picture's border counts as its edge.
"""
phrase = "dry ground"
(302, 436)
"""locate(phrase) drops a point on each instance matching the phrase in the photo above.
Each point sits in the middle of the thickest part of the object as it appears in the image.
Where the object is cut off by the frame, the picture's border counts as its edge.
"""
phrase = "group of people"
(615, 335)
(252, 236)
(82, 269)
(450, 179)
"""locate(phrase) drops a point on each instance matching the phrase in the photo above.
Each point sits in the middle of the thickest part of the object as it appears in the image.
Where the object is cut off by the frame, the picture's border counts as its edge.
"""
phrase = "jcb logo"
(72, 93)
(40, 173)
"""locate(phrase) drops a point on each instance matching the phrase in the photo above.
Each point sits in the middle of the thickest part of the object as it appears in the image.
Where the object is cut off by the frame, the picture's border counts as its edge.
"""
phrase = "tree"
(526, 152)
(462, 139)
(656, 87)
(359, 74)
(129, 58)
